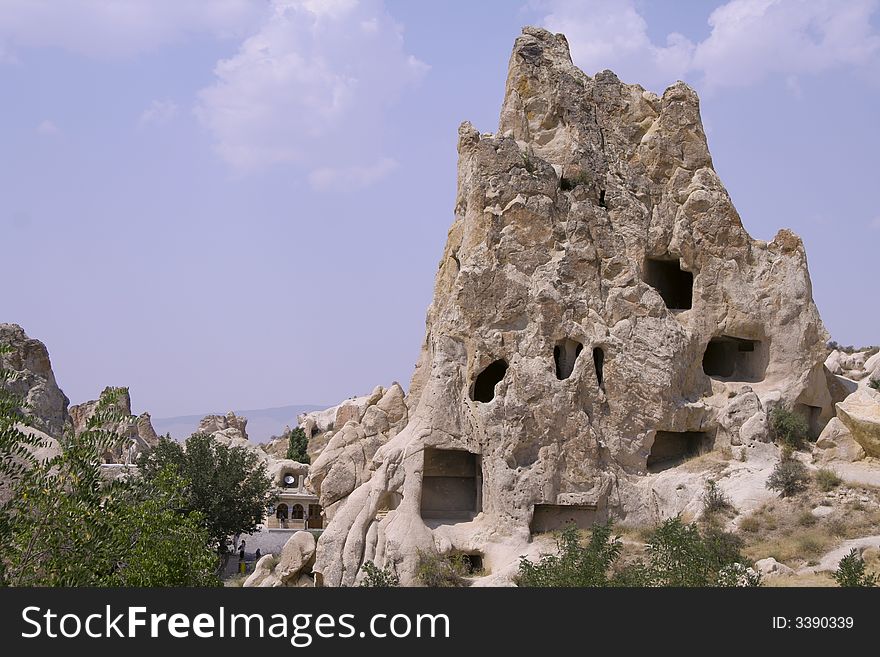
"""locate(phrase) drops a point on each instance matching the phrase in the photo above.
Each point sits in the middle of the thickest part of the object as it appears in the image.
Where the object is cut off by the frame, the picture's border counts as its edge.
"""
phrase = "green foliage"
(297, 446)
(378, 577)
(788, 428)
(789, 476)
(851, 572)
(714, 499)
(67, 526)
(874, 383)
(575, 564)
(441, 570)
(827, 479)
(227, 485)
(678, 554)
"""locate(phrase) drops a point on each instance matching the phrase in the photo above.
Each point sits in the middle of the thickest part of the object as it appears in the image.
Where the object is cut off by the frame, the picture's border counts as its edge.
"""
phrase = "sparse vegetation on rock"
(827, 479)
(378, 577)
(789, 477)
(788, 428)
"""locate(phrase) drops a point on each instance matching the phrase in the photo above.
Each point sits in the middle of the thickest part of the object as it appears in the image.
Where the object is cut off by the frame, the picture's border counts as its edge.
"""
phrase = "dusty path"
(830, 560)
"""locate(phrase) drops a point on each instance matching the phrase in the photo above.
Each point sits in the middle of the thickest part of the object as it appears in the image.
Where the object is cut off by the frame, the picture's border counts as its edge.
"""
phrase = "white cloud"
(47, 128)
(750, 40)
(611, 34)
(121, 27)
(159, 112)
(311, 87)
(351, 178)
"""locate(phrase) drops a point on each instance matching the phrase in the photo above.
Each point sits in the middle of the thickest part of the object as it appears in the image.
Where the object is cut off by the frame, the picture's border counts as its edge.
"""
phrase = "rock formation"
(599, 313)
(33, 379)
(139, 432)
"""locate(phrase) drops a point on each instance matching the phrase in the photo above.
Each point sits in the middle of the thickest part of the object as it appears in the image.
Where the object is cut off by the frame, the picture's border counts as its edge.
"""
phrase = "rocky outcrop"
(360, 427)
(857, 365)
(836, 443)
(33, 379)
(137, 431)
(599, 311)
(860, 414)
(290, 568)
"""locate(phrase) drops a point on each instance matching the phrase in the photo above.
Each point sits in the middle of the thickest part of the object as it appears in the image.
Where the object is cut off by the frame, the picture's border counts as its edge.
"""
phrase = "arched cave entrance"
(565, 354)
(736, 359)
(674, 284)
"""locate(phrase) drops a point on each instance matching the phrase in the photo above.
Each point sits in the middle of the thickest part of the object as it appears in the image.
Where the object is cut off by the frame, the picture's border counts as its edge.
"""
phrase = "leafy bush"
(576, 564)
(714, 499)
(827, 479)
(789, 476)
(378, 577)
(441, 570)
(851, 572)
(874, 383)
(297, 446)
(94, 533)
(678, 555)
(789, 428)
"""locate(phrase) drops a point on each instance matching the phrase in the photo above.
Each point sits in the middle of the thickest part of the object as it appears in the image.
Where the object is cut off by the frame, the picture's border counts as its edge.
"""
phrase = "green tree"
(576, 564)
(227, 485)
(297, 446)
(68, 526)
(851, 572)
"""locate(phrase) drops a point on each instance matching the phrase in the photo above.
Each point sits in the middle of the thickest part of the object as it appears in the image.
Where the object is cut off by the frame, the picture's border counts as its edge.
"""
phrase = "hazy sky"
(242, 203)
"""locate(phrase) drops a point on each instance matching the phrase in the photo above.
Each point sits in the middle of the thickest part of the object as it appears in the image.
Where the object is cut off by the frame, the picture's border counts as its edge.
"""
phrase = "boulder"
(138, 431)
(769, 567)
(837, 444)
(860, 413)
(297, 555)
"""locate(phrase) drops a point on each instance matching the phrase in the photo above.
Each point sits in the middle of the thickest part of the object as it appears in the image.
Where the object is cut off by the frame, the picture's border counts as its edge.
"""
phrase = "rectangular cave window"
(565, 354)
(473, 562)
(551, 517)
(452, 485)
(671, 448)
(812, 414)
(674, 284)
(735, 359)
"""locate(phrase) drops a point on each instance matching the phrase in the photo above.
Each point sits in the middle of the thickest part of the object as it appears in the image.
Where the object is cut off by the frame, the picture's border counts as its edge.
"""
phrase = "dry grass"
(809, 579)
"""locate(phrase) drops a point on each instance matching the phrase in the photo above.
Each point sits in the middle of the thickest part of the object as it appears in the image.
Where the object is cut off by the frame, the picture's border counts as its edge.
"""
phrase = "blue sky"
(242, 203)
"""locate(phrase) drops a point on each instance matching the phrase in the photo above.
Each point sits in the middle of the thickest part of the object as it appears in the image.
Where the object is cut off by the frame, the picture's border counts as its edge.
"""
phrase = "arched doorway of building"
(297, 512)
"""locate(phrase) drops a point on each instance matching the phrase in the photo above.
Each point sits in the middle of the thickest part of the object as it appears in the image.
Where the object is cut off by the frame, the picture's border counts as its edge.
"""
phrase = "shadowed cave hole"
(484, 386)
(599, 362)
(565, 354)
(674, 284)
(452, 484)
(473, 562)
(812, 414)
(602, 203)
(552, 517)
(735, 359)
(671, 448)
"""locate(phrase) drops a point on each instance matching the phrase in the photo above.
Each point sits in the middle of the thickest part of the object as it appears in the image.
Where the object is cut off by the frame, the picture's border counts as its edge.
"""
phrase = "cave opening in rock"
(813, 415)
(735, 359)
(671, 448)
(452, 484)
(674, 284)
(473, 563)
(602, 199)
(552, 517)
(565, 354)
(484, 386)
(599, 363)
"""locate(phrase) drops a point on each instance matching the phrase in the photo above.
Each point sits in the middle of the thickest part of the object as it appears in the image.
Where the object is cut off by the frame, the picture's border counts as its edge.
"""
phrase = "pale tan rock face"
(139, 432)
(28, 360)
(860, 413)
(594, 257)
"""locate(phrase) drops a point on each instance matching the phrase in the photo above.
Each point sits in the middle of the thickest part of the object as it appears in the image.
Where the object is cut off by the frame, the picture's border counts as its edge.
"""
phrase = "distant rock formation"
(599, 314)
(33, 379)
(139, 432)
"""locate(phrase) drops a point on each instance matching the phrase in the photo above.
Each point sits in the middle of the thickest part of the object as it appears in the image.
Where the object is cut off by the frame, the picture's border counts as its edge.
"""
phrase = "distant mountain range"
(263, 423)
